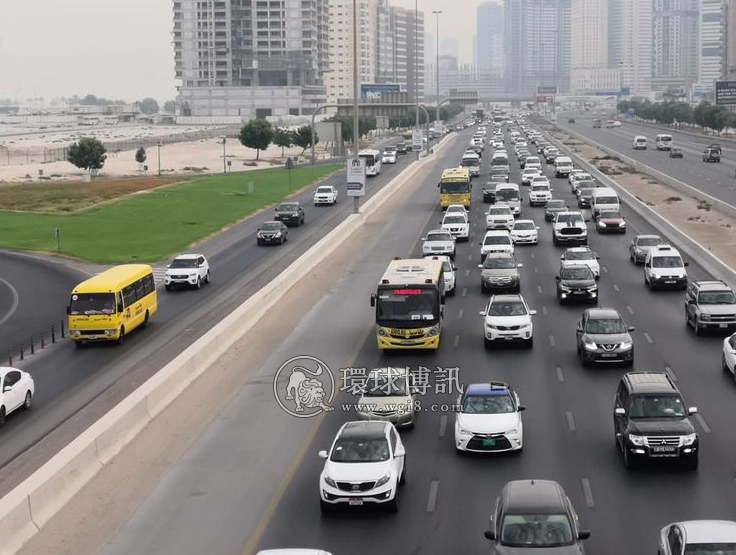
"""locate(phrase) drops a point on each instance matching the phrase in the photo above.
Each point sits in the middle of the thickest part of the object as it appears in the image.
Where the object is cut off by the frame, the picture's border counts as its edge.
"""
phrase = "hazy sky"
(123, 48)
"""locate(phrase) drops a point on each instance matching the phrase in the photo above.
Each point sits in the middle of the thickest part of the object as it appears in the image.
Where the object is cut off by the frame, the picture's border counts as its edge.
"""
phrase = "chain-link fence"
(43, 155)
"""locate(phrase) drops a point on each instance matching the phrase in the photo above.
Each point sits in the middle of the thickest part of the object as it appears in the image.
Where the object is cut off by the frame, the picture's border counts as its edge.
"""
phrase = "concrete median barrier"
(30, 505)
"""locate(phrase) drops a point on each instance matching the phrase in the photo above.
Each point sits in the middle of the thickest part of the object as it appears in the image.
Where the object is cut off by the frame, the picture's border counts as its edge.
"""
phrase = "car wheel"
(402, 480)
(529, 343)
(281, 242)
(167, 287)
(724, 365)
(696, 327)
(2, 416)
(629, 462)
(487, 343)
(483, 288)
(199, 284)
(145, 320)
(259, 242)
(121, 337)
(28, 401)
(452, 256)
(393, 505)
(207, 277)
(691, 463)
(326, 508)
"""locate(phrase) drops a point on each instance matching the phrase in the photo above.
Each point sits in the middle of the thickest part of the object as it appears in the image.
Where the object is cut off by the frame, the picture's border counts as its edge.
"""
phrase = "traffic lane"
(68, 379)
(30, 289)
(208, 468)
(714, 179)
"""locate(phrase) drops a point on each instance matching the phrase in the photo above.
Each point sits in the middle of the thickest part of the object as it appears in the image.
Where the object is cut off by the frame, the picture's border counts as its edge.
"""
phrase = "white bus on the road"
(372, 161)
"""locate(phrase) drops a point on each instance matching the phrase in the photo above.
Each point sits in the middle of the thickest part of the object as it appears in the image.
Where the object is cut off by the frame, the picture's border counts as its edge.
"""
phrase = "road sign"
(416, 140)
(725, 93)
(356, 177)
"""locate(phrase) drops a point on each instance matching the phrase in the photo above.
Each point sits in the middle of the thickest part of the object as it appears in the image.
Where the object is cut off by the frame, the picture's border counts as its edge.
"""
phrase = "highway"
(252, 465)
(716, 179)
(77, 386)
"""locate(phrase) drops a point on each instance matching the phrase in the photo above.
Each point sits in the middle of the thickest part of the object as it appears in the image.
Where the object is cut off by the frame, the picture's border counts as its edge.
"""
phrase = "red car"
(611, 221)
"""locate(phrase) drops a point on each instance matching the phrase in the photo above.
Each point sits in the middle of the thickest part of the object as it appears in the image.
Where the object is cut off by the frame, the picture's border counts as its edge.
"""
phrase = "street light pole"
(356, 87)
(224, 158)
(437, 66)
(416, 71)
(159, 158)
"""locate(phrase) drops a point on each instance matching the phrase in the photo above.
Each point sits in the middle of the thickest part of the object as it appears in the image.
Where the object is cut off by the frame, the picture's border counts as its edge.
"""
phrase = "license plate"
(663, 449)
(489, 443)
(356, 502)
(578, 292)
(406, 342)
(608, 355)
(93, 337)
(722, 325)
(669, 281)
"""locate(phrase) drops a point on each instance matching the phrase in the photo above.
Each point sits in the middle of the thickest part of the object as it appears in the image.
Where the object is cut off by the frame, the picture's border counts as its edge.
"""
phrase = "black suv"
(401, 148)
(535, 516)
(712, 153)
(291, 213)
(576, 283)
(602, 336)
(651, 421)
(489, 190)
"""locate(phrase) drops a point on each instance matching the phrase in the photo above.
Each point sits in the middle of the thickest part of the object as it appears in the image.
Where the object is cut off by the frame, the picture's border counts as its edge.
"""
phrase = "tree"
(90, 100)
(140, 155)
(258, 134)
(148, 106)
(169, 107)
(87, 153)
(283, 138)
(303, 137)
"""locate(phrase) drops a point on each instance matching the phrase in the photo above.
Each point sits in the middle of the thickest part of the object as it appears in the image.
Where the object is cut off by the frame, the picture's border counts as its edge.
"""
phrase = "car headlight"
(111, 332)
(382, 481)
(565, 289)
(705, 316)
(627, 344)
(592, 288)
(601, 224)
(434, 330)
(589, 344)
(689, 439)
(636, 440)
(382, 332)
(512, 432)
(330, 482)
(278, 234)
(295, 214)
(464, 432)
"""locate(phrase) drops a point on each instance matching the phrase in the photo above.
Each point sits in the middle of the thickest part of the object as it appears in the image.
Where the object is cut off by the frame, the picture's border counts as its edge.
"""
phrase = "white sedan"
(325, 194)
(16, 391)
(728, 361)
(525, 232)
(489, 419)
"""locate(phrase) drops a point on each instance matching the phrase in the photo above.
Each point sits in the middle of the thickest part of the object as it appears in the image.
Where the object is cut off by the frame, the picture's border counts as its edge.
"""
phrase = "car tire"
(483, 288)
(629, 462)
(121, 338)
(145, 320)
(529, 343)
(326, 508)
(724, 366)
(691, 463)
(487, 343)
(207, 277)
(697, 330)
(198, 285)
(393, 505)
(167, 287)
(402, 480)
(259, 242)
(2, 416)
(28, 401)
(452, 256)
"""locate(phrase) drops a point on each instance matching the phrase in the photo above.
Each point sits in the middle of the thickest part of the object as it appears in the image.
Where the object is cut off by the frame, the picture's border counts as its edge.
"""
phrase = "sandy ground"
(693, 216)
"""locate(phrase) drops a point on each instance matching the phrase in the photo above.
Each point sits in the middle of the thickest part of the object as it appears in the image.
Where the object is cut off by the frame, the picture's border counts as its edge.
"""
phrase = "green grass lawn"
(153, 225)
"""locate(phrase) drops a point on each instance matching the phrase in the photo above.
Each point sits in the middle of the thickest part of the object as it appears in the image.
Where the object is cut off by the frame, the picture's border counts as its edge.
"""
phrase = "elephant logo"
(309, 388)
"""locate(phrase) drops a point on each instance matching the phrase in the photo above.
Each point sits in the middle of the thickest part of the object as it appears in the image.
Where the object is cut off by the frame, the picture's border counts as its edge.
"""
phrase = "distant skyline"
(123, 48)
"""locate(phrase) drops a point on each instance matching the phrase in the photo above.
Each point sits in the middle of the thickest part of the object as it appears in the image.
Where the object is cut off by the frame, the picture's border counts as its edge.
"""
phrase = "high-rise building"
(449, 47)
(537, 44)
(712, 41)
(488, 48)
(409, 50)
(675, 44)
(630, 42)
(730, 43)
(234, 59)
(589, 70)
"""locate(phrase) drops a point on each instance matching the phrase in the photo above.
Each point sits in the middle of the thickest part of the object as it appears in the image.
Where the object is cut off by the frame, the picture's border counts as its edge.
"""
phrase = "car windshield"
(92, 303)
(389, 150)
(556, 204)
(716, 297)
(710, 549)
(324, 190)
(536, 530)
(524, 226)
(585, 184)
(455, 220)
(499, 263)
(507, 308)
(183, 263)
(579, 255)
(576, 273)
(507, 194)
(414, 307)
(500, 403)
(610, 215)
(605, 325)
(606, 200)
(438, 237)
(469, 162)
(497, 240)
(656, 406)
(454, 187)
(540, 187)
(648, 241)
(569, 218)
(506, 211)
(667, 262)
(386, 385)
(348, 449)
(270, 226)
(287, 207)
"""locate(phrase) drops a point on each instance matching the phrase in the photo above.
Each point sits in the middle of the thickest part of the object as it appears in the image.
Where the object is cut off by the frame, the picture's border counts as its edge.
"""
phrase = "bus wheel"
(145, 320)
(122, 335)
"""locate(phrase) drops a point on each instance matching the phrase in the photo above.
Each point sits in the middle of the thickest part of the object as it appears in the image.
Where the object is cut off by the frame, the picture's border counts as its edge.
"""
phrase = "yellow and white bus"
(110, 305)
(455, 187)
(409, 304)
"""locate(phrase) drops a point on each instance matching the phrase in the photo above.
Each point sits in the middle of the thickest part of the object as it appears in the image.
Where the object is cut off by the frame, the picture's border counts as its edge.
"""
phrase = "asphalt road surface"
(205, 501)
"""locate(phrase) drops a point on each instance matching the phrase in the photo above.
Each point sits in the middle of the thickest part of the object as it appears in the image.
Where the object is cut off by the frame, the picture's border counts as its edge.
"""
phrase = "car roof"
(599, 313)
(709, 531)
(533, 496)
(506, 298)
(578, 249)
(664, 250)
(364, 429)
(647, 236)
(493, 388)
(524, 221)
(187, 256)
(443, 231)
(650, 382)
(711, 285)
(493, 232)
(392, 370)
(271, 222)
(293, 551)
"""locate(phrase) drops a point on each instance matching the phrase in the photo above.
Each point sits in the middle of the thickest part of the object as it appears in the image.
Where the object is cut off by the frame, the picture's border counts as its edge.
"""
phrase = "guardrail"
(30, 505)
(688, 245)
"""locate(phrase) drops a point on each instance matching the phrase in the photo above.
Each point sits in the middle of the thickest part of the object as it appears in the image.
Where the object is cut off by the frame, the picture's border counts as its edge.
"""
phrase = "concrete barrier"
(30, 505)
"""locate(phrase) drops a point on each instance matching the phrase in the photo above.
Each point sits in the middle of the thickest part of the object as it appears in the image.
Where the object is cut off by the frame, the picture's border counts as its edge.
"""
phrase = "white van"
(372, 161)
(472, 162)
(640, 142)
(563, 166)
(663, 141)
(508, 193)
(604, 198)
(664, 267)
(499, 159)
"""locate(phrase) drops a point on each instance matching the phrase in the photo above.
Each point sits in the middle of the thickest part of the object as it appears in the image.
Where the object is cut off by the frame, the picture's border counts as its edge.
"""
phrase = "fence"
(42, 155)
(37, 342)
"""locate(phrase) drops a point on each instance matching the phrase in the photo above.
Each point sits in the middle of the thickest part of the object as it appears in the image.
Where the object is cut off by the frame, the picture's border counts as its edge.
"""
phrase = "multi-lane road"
(236, 473)
(75, 386)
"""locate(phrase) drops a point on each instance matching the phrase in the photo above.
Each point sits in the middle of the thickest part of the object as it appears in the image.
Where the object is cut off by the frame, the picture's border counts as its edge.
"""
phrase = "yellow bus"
(455, 187)
(110, 305)
(409, 304)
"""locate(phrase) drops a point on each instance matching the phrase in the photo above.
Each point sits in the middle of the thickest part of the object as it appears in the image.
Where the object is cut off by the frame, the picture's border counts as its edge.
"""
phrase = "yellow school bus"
(409, 304)
(455, 187)
(110, 305)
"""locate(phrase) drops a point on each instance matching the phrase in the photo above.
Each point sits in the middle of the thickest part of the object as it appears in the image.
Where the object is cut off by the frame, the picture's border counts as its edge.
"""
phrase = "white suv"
(364, 466)
(457, 224)
(325, 194)
(496, 241)
(439, 241)
(507, 318)
(539, 194)
(190, 270)
(499, 216)
(448, 273)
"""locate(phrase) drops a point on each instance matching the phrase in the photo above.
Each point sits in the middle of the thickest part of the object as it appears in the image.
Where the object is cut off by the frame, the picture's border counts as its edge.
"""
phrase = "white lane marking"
(532, 256)
(615, 287)
(630, 310)
(536, 270)
(648, 338)
(560, 375)
(460, 314)
(467, 272)
(14, 305)
(470, 256)
(465, 291)
(539, 288)
(432, 501)
(588, 492)
(605, 269)
(544, 310)
(570, 421)
(443, 425)
(671, 373)
(701, 421)
(551, 340)
(456, 341)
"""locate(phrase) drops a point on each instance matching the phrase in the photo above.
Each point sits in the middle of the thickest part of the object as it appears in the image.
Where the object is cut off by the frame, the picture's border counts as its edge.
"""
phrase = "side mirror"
(322, 454)
(587, 221)
(583, 534)
(618, 411)
(480, 243)
(521, 408)
(687, 264)
(480, 265)
(562, 257)
(597, 277)
(68, 309)
(632, 328)
(168, 265)
(482, 312)
(424, 238)
(489, 535)
(557, 278)
(579, 329)
(373, 299)
(400, 451)
(532, 312)
(597, 257)
(692, 410)
(519, 265)
(691, 301)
